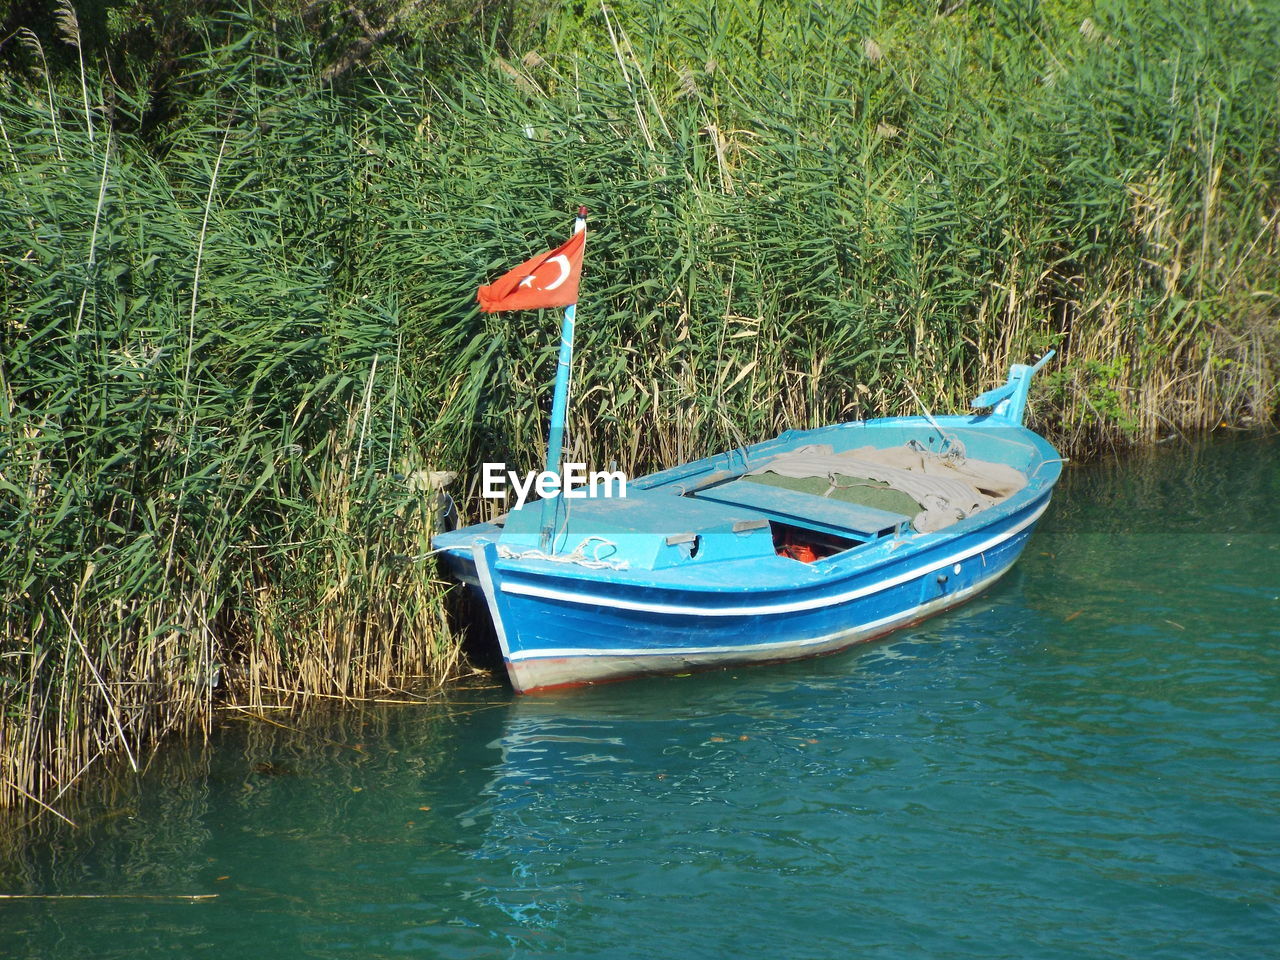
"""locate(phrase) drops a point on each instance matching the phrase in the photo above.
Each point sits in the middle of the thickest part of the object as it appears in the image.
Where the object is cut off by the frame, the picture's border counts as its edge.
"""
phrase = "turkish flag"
(548, 280)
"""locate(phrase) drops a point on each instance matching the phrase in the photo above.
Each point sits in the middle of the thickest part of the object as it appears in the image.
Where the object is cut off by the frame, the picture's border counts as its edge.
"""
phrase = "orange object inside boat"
(805, 544)
(797, 551)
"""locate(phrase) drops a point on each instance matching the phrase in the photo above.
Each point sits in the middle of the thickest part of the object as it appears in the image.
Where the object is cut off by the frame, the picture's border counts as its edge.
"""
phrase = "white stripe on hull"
(485, 578)
(813, 603)
(534, 670)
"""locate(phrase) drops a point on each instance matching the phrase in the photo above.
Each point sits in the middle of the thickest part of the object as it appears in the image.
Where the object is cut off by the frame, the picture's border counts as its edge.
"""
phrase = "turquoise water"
(1081, 763)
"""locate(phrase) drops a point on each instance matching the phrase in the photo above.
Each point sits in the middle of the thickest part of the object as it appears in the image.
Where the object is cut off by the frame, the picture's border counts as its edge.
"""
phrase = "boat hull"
(544, 672)
(561, 630)
(702, 567)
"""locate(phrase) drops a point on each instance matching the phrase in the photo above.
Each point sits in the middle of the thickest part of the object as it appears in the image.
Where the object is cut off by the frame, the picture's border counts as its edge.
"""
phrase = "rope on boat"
(578, 555)
(952, 451)
(833, 478)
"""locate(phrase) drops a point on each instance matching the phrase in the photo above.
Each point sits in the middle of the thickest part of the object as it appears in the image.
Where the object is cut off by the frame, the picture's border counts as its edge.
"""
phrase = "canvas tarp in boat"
(943, 488)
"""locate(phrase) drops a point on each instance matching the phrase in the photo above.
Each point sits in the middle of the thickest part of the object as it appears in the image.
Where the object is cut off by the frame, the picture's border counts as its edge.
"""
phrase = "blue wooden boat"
(742, 558)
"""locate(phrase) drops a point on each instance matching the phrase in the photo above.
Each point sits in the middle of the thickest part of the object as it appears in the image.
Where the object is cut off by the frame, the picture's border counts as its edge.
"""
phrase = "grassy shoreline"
(237, 332)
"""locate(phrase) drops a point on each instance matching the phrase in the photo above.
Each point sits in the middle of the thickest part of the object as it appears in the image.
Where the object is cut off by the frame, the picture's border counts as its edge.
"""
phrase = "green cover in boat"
(859, 490)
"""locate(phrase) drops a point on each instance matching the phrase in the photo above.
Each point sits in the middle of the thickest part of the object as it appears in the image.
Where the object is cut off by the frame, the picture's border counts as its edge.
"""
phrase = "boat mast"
(559, 407)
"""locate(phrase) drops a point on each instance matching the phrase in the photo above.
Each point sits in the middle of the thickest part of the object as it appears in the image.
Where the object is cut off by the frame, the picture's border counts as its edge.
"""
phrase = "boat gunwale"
(699, 595)
(531, 575)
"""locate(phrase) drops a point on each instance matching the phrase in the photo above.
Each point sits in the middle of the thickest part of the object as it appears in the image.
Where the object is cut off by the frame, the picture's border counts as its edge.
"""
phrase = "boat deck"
(867, 523)
(708, 525)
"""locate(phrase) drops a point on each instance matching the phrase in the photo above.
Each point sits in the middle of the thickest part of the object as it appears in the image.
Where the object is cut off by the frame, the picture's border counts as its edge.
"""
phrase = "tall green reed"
(886, 199)
(231, 348)
(206, 484)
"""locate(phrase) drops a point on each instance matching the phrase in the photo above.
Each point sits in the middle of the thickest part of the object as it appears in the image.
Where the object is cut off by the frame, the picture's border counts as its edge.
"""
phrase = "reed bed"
(237, 338)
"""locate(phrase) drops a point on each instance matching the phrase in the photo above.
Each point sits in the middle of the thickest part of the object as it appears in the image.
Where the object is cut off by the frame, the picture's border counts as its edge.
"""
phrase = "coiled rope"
(578, 555)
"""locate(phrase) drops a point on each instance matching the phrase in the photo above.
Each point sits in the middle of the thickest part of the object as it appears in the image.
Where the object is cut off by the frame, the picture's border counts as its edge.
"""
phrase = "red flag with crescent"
(547, 280)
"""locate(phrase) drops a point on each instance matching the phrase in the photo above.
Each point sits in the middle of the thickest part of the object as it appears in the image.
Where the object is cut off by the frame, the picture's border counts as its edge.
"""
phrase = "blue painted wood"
(559, 410)
(665, 581)
(1010, 401)
(994, 395)
(560, 401)
(867, 522)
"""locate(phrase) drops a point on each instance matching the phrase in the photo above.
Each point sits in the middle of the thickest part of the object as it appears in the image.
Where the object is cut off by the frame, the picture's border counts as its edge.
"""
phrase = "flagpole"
(559, 406)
